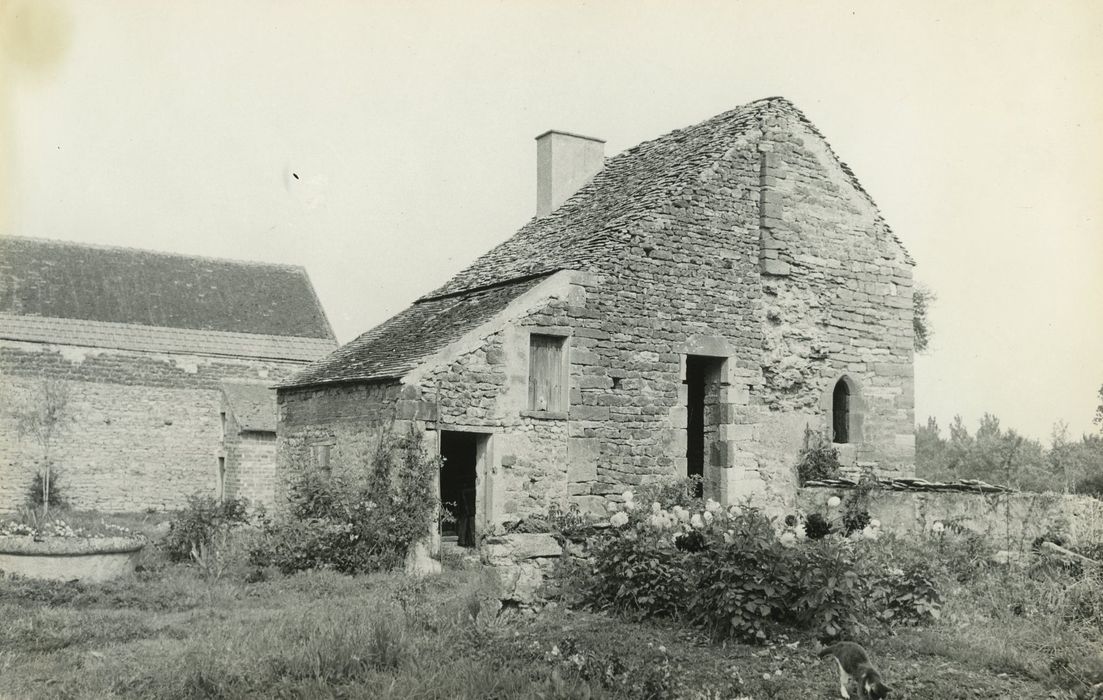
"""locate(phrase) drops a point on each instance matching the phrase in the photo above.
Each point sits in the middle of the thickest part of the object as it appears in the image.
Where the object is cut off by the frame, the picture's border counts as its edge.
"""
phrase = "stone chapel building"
(689, 306)
(167, 362)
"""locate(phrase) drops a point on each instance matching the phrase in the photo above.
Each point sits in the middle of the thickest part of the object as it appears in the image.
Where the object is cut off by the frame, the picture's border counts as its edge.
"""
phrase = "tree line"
(1003, 456)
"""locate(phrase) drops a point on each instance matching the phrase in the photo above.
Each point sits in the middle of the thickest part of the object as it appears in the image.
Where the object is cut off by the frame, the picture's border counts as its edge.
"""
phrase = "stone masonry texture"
(145, 428)
(744, 240)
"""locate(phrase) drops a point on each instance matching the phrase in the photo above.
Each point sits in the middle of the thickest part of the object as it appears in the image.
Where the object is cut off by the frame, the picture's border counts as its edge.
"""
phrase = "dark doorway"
(460, 453)
(702, 399)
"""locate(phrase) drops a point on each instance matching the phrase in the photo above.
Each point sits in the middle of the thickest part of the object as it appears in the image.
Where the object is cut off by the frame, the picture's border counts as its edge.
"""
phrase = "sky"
(385, 145)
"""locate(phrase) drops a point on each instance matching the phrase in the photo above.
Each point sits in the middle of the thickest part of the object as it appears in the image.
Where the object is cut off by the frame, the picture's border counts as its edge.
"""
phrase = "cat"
(853, 661)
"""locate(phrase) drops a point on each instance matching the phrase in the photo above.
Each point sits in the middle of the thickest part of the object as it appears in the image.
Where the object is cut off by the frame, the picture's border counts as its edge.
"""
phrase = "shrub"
(360, 522)
(818, 460)
(827, 592)
(35, 491)
(195, 528)
(730, 573)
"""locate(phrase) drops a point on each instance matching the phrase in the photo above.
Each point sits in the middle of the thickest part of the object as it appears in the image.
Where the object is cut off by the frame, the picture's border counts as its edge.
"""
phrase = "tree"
(1098, 420)
(922, 300)
(43, 420)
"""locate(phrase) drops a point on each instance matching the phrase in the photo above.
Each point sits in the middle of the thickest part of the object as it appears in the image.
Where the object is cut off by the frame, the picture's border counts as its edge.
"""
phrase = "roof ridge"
(150, 251)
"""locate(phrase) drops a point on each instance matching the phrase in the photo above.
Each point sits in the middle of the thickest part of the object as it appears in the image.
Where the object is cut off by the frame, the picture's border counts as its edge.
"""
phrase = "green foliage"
(818, 460)
(52, 491)
(46, 418)
(193, 532)
(1098, 419)
(922, 300)
(741, 580)
(359, 522)
(855, 516)
(816, 526)
(1001, 456)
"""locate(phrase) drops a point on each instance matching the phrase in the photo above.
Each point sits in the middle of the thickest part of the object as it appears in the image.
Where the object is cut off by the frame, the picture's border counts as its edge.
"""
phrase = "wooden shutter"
(546, 375)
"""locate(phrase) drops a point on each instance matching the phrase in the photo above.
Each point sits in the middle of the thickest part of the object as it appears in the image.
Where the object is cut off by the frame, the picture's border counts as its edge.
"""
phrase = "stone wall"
(774, 263)
(145, 431)
(1008, 520)
(347, 421)
(250, 467)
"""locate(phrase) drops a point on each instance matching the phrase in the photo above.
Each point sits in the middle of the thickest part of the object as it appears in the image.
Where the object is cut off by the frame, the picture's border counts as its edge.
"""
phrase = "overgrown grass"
(176, 631)
(322, 634)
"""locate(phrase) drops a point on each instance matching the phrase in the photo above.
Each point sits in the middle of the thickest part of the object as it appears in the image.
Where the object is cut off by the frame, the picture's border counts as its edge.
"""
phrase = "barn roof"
(593, 225)
(100, 284)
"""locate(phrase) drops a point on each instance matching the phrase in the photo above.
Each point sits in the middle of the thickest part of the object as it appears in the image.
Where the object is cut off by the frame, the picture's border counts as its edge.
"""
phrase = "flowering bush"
(737, 573)
(59, 528)
(357, 523)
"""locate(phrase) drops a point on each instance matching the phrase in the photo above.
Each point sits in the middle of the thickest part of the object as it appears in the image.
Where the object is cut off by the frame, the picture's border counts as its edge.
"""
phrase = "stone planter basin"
(67, 558)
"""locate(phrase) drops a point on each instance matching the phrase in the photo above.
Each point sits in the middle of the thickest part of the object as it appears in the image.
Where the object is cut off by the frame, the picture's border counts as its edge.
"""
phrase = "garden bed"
(67, 558)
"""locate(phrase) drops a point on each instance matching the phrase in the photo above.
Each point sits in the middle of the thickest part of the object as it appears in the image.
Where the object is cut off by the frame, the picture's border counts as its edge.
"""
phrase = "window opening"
(840, 412)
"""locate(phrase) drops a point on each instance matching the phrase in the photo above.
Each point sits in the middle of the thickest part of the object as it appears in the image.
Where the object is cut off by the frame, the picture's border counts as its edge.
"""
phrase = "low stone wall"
(65, 559)
(1008, 520)
(522, 563)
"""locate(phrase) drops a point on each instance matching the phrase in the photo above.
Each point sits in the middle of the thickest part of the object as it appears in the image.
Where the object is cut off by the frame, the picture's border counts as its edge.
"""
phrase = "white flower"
(834, 502)
(870, 533)
(875, 523)
(695, 522)
(711, 506)
(627, 496)
(681, 513)
(619, 519)
(657, 522)
(938, 527)
(629, 505)
(788, 538)
(656, 507)
(708, 517)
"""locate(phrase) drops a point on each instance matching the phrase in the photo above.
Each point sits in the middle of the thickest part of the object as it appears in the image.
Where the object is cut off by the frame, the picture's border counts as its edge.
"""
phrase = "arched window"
(840, 412)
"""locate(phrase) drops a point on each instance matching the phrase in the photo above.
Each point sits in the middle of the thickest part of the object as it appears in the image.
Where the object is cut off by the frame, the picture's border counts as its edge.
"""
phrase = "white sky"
(977, 127)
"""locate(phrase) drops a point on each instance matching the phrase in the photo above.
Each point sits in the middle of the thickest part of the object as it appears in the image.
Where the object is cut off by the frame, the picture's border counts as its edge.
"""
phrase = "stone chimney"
(564, 163)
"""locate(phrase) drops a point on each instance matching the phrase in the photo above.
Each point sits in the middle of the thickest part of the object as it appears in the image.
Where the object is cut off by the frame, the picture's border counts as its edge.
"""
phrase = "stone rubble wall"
(1008, 521)
(350, 418)
(146, 431)
(522, 564)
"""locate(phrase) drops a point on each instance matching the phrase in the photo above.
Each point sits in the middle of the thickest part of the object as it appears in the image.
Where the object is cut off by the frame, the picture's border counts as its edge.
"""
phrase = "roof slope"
(591, 226)
(253, 406)
(591, 223)
(57, 279)
(397, 346)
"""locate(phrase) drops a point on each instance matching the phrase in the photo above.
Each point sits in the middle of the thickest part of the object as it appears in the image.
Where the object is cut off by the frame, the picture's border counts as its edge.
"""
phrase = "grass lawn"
(172, 634)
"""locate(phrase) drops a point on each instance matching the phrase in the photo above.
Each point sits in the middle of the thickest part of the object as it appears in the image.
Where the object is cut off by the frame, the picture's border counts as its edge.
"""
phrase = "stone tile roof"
(594, 221)
(56, 279)
(253, 405)
(125, 336)
(398, 345)
(592, 225)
